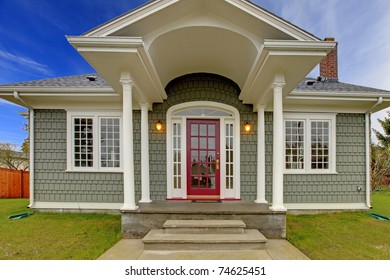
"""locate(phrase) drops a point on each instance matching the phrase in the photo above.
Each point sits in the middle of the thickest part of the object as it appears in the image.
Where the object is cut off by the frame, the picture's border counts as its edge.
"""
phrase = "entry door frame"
(175, 117)
(209, 162)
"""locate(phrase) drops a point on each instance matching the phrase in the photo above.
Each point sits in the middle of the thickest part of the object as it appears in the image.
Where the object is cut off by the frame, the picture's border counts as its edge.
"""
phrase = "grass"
(54, 236)
(348, 235)
(61, 236)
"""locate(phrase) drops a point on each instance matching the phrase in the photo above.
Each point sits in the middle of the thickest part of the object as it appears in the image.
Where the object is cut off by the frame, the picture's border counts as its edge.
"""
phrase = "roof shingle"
(78, 81)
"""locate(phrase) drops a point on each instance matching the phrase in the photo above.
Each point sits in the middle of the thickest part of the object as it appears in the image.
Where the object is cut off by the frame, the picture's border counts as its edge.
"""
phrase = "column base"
(261, 201)
(145, 201)
(278, 208)
(129, 207)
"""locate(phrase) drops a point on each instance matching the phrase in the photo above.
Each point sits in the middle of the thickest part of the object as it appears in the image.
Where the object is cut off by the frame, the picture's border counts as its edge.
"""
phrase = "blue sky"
(33, 44)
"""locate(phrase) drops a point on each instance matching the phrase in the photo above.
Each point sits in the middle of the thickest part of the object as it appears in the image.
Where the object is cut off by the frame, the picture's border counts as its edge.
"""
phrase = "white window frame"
(307, 118)
(95, 116)
(235, 119)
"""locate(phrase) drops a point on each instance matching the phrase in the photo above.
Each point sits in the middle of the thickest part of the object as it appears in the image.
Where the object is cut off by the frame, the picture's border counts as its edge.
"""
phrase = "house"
(200, 101)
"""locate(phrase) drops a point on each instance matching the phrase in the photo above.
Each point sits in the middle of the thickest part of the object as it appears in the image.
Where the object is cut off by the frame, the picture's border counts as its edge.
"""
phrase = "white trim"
(128, 148)
(32, 156)
(223, 120)
(276, 22)
(278, 155)
(260, 155)
(307, 118)
(368, 160)
(145, 179)
(77, 205)
(96, 115)
(326, 206)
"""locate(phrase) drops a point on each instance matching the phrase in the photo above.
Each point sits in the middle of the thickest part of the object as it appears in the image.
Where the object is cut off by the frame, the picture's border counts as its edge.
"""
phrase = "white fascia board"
(129, 18)
(290, 45)
(273, 20)
(105, 42)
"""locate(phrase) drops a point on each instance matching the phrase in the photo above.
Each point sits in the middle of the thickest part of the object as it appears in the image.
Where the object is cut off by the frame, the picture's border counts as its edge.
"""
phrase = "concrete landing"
(133, 249)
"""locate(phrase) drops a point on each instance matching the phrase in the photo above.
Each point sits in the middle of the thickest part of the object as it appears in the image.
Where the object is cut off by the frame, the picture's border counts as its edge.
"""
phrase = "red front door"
(203, 156)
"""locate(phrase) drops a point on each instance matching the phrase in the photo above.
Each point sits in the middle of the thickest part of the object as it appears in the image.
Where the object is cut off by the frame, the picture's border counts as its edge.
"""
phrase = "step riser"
(209, 246)
(204, 230)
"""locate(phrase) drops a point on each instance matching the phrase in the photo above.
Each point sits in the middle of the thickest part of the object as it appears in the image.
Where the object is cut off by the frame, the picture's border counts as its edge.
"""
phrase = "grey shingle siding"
(334, 188)
(52, 183)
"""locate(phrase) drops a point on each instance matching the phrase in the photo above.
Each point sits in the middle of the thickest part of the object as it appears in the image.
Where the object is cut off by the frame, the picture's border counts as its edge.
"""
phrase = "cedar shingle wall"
(350, 167)
(52, 183)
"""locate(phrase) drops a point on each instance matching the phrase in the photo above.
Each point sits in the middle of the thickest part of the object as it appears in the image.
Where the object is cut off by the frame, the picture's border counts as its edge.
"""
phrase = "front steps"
(181, 235)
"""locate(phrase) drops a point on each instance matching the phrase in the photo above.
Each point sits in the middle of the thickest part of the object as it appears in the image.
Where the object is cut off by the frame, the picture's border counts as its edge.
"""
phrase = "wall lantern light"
(247, 127)
(159, 125)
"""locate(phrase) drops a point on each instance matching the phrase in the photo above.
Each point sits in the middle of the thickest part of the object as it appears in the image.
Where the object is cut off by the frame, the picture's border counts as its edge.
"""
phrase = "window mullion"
(308, 144)
(96, 143)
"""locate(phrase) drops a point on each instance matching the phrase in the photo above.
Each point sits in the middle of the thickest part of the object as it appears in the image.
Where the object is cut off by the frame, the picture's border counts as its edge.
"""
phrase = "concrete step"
(160, 240)
(204, 226)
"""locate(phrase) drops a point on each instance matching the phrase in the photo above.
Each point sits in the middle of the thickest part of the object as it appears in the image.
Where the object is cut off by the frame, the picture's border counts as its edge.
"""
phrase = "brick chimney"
(328, 66)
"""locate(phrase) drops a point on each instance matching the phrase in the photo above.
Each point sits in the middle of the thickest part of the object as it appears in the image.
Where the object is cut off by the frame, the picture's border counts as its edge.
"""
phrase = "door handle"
(217, 164)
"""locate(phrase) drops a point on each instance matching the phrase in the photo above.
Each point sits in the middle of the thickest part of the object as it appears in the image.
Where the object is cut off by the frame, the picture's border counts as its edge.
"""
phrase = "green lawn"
(51, 236)
(86, 236)
(346, 235)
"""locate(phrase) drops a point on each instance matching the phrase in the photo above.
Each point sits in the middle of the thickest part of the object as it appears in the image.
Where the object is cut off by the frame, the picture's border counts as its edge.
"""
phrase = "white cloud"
(24, 62)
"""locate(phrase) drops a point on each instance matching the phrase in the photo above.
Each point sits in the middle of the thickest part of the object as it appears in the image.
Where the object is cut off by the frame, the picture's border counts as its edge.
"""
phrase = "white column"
(145, 182)
(277, 180)
(260, 155)
(128, 151)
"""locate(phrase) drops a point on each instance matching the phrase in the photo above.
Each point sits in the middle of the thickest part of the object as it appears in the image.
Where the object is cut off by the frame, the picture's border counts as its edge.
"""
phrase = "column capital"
(261, 107)
(126, 81)
(278, 85)
(144, 106)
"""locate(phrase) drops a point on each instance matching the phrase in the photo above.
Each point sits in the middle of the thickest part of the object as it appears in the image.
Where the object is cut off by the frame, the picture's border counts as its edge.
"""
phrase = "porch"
(137, 223)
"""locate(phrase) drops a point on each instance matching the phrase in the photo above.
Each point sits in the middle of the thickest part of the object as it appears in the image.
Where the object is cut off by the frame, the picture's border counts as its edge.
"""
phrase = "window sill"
(93, 171)
(310, 173)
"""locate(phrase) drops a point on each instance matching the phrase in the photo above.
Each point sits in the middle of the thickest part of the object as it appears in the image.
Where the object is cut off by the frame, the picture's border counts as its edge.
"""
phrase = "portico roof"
(165, 39)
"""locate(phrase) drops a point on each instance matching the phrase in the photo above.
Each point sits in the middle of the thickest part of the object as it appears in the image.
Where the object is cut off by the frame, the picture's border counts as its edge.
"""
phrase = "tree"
(384, 139)
(12, 159)
(380, 156)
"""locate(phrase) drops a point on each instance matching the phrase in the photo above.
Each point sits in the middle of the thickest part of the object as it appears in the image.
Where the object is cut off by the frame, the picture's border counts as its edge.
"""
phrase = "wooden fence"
(14, 183)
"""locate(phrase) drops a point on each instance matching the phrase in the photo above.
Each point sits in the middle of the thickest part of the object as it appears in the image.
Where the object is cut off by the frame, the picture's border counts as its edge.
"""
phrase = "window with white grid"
(94, 141)
(295, 149)
(83, 142)
(320, 144)
(229, 156)
(176, 148)
(310, 143)
(110, 142)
